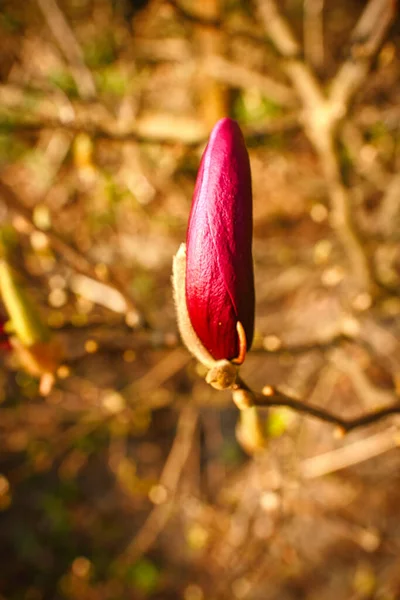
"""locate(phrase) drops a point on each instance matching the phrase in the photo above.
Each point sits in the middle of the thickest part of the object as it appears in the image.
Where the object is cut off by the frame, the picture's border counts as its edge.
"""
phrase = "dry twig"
(244, 397)
(168, 484)
(238, 75)
(389, 211)
(323, 113)
(47, 112)
(71, 256)
(352, 454)
(314, 32)
(69, 46)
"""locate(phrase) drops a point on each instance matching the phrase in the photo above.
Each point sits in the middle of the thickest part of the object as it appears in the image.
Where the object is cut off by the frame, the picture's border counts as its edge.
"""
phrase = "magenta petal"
(219, 270)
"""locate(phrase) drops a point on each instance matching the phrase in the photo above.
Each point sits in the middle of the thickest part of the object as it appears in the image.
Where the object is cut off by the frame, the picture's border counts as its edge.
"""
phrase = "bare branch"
(167, 485)
(361, 384)
(154, 378)
(314, 32)
(390, 206)
(47, 111)
(322, 114)
(278, 29)
(273, 397)
(214, 23)
(307, 346)
(69, 254)
(366, 38)
(239, 76)
(342, 220)
(365, 160)
(352, 454)
(52, 112)
(69, 46)
(371, 27)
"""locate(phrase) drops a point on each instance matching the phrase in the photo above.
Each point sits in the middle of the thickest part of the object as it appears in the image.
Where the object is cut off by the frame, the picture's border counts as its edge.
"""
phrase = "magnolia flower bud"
(219, 288)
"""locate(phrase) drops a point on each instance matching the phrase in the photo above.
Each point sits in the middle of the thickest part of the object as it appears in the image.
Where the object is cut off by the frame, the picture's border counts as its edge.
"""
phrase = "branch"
(314, 32)
(69, 254)
(47, 110)
(322, 114)
(366, 39)
(166, 488)
(214, 23)
(366, 164)
(279, 348)
(245, 397)
(238, 75)
(371, 395)
(348, 456)
(69, 46)
(173, 130)
(390, 206)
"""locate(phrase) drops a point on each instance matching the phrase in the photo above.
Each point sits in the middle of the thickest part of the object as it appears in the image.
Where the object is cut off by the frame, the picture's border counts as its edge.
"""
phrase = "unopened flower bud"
(218, 298)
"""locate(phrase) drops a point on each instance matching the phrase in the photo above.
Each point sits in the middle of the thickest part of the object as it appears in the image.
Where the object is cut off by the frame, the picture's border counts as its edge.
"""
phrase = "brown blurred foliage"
(126, 480)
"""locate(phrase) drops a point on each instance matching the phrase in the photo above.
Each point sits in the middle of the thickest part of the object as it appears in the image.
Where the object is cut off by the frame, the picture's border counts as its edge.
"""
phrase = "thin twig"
(163, 370)
(320, 118)
(366, 39)
(180, 131)
(314, 32)
(237, 75)
(215, 23)
(389, 210)
(307, 346)
(322, 113)
(47, 112)
(352, 454)
(271, 396)
(69, 254)
(168, 482)
(50, 112)
(366, 161)
(370, 394)
(69, 46)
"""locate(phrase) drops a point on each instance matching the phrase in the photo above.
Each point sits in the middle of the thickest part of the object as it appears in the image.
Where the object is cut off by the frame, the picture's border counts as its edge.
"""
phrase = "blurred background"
(120, 472)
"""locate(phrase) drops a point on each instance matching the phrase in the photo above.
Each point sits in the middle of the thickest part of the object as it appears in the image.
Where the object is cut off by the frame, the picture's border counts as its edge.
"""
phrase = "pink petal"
(219, 272)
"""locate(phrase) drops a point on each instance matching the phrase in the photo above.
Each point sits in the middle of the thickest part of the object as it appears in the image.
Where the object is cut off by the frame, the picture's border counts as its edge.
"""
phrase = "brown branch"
(168, 483)
(314, 32)
(69, 254)
(185, 132)
(244, 397)
(364, 388)
(237, 75)
(390, 206)
(367, 165)
(322, 113)
(51, 110)
(196, 18)
(215, 23)
(350, 455)
(48, 110)
(307, 346)
(99, 131)
(366, 39)
(69, 46)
